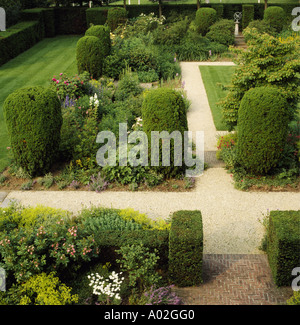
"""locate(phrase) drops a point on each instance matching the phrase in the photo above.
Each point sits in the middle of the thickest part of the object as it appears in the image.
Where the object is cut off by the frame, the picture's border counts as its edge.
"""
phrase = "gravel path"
(231, 218)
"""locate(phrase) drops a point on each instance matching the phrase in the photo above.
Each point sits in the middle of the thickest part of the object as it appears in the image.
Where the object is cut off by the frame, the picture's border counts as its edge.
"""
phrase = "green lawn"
(212, 75)
(36, 66)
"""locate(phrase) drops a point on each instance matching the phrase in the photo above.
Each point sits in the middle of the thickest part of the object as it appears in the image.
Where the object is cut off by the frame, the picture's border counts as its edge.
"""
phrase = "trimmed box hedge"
(19, 38)
(186, 248)
(283, 245)
(96, 16)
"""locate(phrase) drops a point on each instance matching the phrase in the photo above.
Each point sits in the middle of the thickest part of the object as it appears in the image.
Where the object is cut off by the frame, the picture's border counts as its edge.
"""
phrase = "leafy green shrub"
(222, 32)
(205, 17)
(43, 289)
(71, 86)
(51, 241)
(248, 15)
(266, 62)
(283, 245)
(139, 263)
(227, 141)
(186, 248)
(172, 33)
(261, 26)
(89, 56)
(164, 109)
(128, 86)
(103, 33)
(116, 16)
(262, 129)
(35, 147)
(275, 17)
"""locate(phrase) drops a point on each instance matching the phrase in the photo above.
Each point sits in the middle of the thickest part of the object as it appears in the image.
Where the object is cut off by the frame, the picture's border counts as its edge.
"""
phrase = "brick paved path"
(235, 279)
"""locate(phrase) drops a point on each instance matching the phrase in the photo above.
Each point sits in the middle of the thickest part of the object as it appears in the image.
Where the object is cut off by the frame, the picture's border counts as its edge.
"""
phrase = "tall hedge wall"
(283, 245)
(186, 248)
(18, 39)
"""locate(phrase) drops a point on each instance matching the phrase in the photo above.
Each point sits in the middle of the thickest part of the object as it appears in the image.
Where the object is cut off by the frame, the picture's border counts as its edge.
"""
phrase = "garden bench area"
(135, 235)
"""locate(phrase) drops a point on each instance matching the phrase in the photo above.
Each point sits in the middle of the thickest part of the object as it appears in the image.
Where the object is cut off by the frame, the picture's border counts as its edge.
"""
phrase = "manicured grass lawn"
(212, 75)
(35, 67)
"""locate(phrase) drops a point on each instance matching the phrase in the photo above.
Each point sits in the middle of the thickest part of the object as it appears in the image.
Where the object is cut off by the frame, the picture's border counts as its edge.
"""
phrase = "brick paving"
(235, 279)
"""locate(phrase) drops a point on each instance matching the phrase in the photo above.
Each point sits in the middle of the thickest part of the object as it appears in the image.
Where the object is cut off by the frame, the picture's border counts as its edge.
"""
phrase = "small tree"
(268, 61)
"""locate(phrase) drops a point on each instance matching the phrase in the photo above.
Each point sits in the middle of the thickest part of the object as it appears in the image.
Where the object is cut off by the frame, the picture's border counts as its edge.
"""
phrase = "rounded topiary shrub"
(275, 17)
(103, 33)
(222, 32)
(33, 118)
(205, 17)
(262, 129)
(163, 109)
(89, 56)
(115, 17)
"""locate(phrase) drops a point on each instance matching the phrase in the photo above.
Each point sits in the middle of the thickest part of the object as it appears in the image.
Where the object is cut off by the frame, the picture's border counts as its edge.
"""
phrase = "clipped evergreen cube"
(186, 248)
(33, 118)
(283, 245)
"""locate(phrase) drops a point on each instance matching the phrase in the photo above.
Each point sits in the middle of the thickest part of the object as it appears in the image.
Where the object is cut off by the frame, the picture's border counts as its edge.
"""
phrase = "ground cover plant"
(99, 257)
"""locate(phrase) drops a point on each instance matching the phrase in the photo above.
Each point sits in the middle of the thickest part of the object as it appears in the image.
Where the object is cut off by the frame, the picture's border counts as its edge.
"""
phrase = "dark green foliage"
(70, 20)
(163, 109)
(33, 117)
(283, 245)
(96, 16)
(275, 17)
(89, 55)
(12, 9)
(103, 33)
(262, 129)
(261, 26)
(205, 17)
(186, 248)
(222, 32)
(19, 38)
(248, 15)
(115, 17)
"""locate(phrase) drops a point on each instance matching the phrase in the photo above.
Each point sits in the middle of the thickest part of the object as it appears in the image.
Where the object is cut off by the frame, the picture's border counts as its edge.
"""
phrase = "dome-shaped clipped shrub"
(33, 118)
(89, 55)
(275, 17)
(205, 17)
(103, 33)
(262, 129)
(163, 109)
(115, 17)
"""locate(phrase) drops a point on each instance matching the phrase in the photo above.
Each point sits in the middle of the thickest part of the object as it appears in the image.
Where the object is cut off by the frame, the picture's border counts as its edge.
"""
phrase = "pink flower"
(8, 148)
(53, 79)
(61, 74)
(57, 81)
